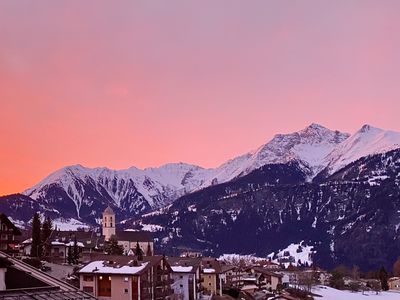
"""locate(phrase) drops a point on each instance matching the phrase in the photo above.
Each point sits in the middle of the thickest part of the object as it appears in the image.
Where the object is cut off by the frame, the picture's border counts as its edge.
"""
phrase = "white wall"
(181, 285)
(3, 279)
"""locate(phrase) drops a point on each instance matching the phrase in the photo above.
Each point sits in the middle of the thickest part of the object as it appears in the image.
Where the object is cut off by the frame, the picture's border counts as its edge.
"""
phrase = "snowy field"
(68, 224)
(305, 256)
(328, 293)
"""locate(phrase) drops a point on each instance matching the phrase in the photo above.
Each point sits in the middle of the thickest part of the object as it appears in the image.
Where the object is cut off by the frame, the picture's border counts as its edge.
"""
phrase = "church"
(127, 239)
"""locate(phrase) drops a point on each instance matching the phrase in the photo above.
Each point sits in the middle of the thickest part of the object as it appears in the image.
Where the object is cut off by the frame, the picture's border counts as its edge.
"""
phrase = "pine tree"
(75, 253)
(138, 252)
(383, 277)
(70, 256)
(36, 250)
(148, 252)
(112, 248)
(46, 232)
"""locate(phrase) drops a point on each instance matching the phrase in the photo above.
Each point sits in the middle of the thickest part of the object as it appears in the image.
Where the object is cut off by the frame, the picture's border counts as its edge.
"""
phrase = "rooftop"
(108, 211)
(134, 236)
(48, 293)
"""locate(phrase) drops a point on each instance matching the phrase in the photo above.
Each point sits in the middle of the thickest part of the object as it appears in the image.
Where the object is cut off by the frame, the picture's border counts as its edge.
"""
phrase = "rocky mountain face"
(351, 217)
(82, 193)
(337, 192)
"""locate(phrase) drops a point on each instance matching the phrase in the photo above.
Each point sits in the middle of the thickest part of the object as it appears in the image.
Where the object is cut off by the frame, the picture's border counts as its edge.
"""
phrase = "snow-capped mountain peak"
(308, 146)
(135, 191)
(368, 140)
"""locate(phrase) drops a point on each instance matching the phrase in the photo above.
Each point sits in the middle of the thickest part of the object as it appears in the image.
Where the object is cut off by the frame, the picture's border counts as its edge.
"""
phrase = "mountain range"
(316, 185)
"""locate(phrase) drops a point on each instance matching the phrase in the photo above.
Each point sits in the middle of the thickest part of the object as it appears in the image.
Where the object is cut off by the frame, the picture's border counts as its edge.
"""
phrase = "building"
(127, 239)
(9, 235)
(394, 283)
(19, 280)
(124, 277)
(211, 281)
(231, 276)
(60, 242)
(266, 279)
(186, 277)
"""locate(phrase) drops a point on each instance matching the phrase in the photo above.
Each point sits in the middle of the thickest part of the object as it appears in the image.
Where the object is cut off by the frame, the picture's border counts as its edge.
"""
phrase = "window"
(104, 286)
(88, 289)
(209, 283)
(110, 224)
(126, 279)
(88, 278)
(181, 276)
(181, 285)
(126, 291)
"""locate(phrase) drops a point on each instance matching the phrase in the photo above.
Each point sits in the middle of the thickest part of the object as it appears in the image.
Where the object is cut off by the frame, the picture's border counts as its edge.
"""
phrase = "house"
(125, 277)
(394, 283)
(270, 265)
(290, 277)
(26, 247)
(319, 275)
(210, 276)
(186, 277)
(231, 276)
(9, 235)
(61, 242)
(266, 279)
(127, 239)
(19, 280)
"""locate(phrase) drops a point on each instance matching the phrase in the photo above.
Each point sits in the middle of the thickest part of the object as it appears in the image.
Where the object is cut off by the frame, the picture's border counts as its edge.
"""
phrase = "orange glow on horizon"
(143, 84)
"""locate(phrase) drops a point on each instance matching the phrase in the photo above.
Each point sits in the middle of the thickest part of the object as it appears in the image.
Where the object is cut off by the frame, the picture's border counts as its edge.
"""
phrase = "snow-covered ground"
(68, 224)
(236, 258)
(147, 227)
(305, 256)
(328, 293)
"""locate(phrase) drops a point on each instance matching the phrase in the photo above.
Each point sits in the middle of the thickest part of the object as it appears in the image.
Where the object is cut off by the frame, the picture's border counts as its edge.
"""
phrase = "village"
(85, 264)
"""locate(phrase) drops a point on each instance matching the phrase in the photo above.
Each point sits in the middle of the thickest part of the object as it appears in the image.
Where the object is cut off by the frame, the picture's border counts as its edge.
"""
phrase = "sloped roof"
(266, 272)
(184, 264)
(6, 220)
(109, 211)
(134, 236)
(49, 293)
(120, 264)
(211, 265)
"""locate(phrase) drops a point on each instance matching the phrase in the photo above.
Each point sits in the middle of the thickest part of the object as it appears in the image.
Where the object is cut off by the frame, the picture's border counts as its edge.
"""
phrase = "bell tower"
(108, 223)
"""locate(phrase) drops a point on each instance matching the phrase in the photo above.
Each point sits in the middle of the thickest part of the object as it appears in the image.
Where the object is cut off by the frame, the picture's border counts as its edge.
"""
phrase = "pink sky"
(143, 83)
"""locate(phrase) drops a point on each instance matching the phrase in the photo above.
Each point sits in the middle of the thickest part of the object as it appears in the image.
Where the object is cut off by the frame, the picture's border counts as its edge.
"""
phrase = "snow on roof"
(101, 268)
(249, 287)
(208, 270)
(28, 241)
(249, 278)
(72, 243)
(56, 243)
(181, 269)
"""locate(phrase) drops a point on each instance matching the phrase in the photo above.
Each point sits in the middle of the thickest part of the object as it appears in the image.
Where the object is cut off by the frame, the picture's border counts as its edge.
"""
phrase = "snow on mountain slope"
(366, 141)
(135, 191)
(156, 185)
(309, 146)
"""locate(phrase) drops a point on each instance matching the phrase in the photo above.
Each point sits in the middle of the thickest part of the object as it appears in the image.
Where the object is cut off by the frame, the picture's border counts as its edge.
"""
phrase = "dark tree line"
(40, 236)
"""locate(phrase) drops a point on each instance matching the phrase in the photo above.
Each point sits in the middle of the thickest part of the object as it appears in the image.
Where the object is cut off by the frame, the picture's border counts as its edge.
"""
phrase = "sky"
(143, 83)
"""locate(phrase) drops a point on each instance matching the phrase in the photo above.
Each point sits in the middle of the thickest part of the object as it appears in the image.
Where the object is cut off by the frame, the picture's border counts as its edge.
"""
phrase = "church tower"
(108, 223)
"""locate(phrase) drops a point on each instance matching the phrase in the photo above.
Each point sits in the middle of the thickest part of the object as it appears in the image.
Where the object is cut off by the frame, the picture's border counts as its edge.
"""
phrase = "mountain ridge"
(82, 193)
